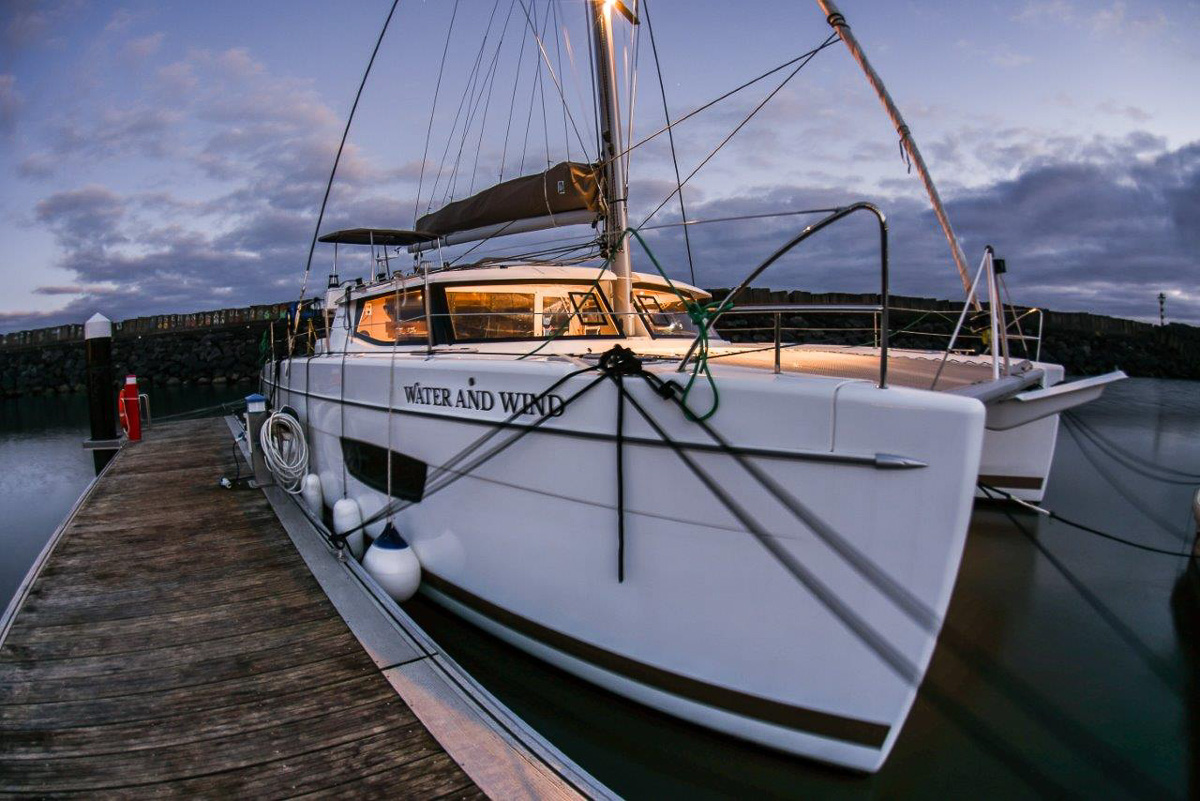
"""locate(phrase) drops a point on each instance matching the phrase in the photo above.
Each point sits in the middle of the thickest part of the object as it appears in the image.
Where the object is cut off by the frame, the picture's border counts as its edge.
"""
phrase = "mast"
(616, 217)
(838, 22)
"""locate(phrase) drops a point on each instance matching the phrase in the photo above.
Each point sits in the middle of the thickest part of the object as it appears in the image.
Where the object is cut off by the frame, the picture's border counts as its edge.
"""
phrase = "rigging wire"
(392, 387)
(558, 58)
(646, 139)
(437, 88)
(472, 77)
(566, 33)
(812, 54)
(687, 239)
(587, 17)
(487, 106)
(541, 90)
(512, 102)
(312, 246)
(532, 94)
(485, 85)
(733, 218)
(545, 57)
(631, 72)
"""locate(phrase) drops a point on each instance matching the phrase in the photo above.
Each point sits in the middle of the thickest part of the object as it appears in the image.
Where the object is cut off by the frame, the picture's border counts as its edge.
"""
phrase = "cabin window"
(368, 463)
(396, 318)
(664, 314)
(491, 314)
(527, 311)
(590, 316)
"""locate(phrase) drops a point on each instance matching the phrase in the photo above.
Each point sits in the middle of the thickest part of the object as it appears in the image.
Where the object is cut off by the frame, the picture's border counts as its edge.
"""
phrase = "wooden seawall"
(174, 642)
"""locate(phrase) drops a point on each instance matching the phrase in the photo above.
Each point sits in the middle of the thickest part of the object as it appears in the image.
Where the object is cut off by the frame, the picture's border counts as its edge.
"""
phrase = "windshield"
(529, 311)
(664, 314)
(397, 318)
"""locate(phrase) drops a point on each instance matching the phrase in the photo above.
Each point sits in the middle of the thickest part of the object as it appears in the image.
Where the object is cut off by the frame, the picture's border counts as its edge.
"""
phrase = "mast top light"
(626, 12)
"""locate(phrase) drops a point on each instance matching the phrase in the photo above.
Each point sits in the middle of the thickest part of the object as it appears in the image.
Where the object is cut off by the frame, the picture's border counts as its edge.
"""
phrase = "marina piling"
(102, 410)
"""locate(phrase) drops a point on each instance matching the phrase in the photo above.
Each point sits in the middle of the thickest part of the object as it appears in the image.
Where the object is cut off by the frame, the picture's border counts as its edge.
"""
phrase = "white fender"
(310, 492)
(347, 517)
(393, 564)
(330, 487)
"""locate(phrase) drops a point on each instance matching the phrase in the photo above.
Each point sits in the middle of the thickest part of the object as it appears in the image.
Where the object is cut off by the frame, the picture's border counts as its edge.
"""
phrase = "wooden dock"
(172, 641)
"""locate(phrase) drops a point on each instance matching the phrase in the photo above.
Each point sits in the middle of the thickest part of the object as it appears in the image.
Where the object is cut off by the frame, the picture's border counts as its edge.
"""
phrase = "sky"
(167, 156)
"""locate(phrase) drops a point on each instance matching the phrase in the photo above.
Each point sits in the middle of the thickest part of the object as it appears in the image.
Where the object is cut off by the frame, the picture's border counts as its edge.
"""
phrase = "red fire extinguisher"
(130, 410)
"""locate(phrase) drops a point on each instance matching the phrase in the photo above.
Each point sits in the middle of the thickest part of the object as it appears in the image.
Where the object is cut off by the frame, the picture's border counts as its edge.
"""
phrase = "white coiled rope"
(285, 450)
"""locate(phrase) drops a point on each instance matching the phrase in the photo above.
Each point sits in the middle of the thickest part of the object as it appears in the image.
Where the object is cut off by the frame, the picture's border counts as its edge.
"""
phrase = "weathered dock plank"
(176, 644)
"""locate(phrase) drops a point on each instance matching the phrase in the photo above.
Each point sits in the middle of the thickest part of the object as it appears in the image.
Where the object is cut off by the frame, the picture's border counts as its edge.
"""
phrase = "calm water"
(44, 468)
(1032, 691)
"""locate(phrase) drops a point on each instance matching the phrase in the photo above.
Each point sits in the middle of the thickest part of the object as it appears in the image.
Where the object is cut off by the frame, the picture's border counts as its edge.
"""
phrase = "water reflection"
(1185, 608)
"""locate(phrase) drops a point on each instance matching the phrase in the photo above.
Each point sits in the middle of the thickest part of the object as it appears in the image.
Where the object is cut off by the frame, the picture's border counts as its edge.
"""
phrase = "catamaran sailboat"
(761, 541)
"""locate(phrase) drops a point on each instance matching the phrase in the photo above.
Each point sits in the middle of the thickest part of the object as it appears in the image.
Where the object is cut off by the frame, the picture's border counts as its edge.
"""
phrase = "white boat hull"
(707, 625)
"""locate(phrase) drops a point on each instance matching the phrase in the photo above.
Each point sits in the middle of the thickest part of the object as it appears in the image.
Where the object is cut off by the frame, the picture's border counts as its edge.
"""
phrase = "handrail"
(824, 222)
(771, 308)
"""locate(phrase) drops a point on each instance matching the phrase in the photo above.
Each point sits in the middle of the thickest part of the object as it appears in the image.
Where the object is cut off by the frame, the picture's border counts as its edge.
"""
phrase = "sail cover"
(566, 187)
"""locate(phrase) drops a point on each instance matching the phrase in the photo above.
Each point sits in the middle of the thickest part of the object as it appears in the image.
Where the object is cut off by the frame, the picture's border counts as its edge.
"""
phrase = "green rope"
(703, 315)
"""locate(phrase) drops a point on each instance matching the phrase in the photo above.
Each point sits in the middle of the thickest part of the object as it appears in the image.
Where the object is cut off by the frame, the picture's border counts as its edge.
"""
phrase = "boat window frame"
(645, 314)
(360, 305)
(591, 287)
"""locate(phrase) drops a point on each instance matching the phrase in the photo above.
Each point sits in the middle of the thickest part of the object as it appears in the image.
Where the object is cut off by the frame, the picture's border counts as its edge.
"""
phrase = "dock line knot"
(620, 360)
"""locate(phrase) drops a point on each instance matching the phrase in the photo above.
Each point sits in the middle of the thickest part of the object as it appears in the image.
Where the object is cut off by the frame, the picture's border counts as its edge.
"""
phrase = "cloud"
(143, 47)
(1132, 113)
(1003, 56)
(136, 131)
(77, 289)
(1100, 231)
(1039, 11)
(1114, 20)
(1117, 20)
(84, 218)
(38, 164)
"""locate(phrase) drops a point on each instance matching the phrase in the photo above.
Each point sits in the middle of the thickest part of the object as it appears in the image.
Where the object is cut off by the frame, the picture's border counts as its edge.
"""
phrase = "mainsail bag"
(569, 186)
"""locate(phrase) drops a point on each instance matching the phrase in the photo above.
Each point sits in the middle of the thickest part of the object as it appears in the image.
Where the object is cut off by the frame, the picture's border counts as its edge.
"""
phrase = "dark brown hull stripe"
(1013, 482)
(808, 721)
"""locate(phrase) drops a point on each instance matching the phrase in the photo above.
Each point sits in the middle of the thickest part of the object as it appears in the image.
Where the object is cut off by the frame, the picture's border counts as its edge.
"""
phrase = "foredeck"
(175, 643)
(905, 369)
